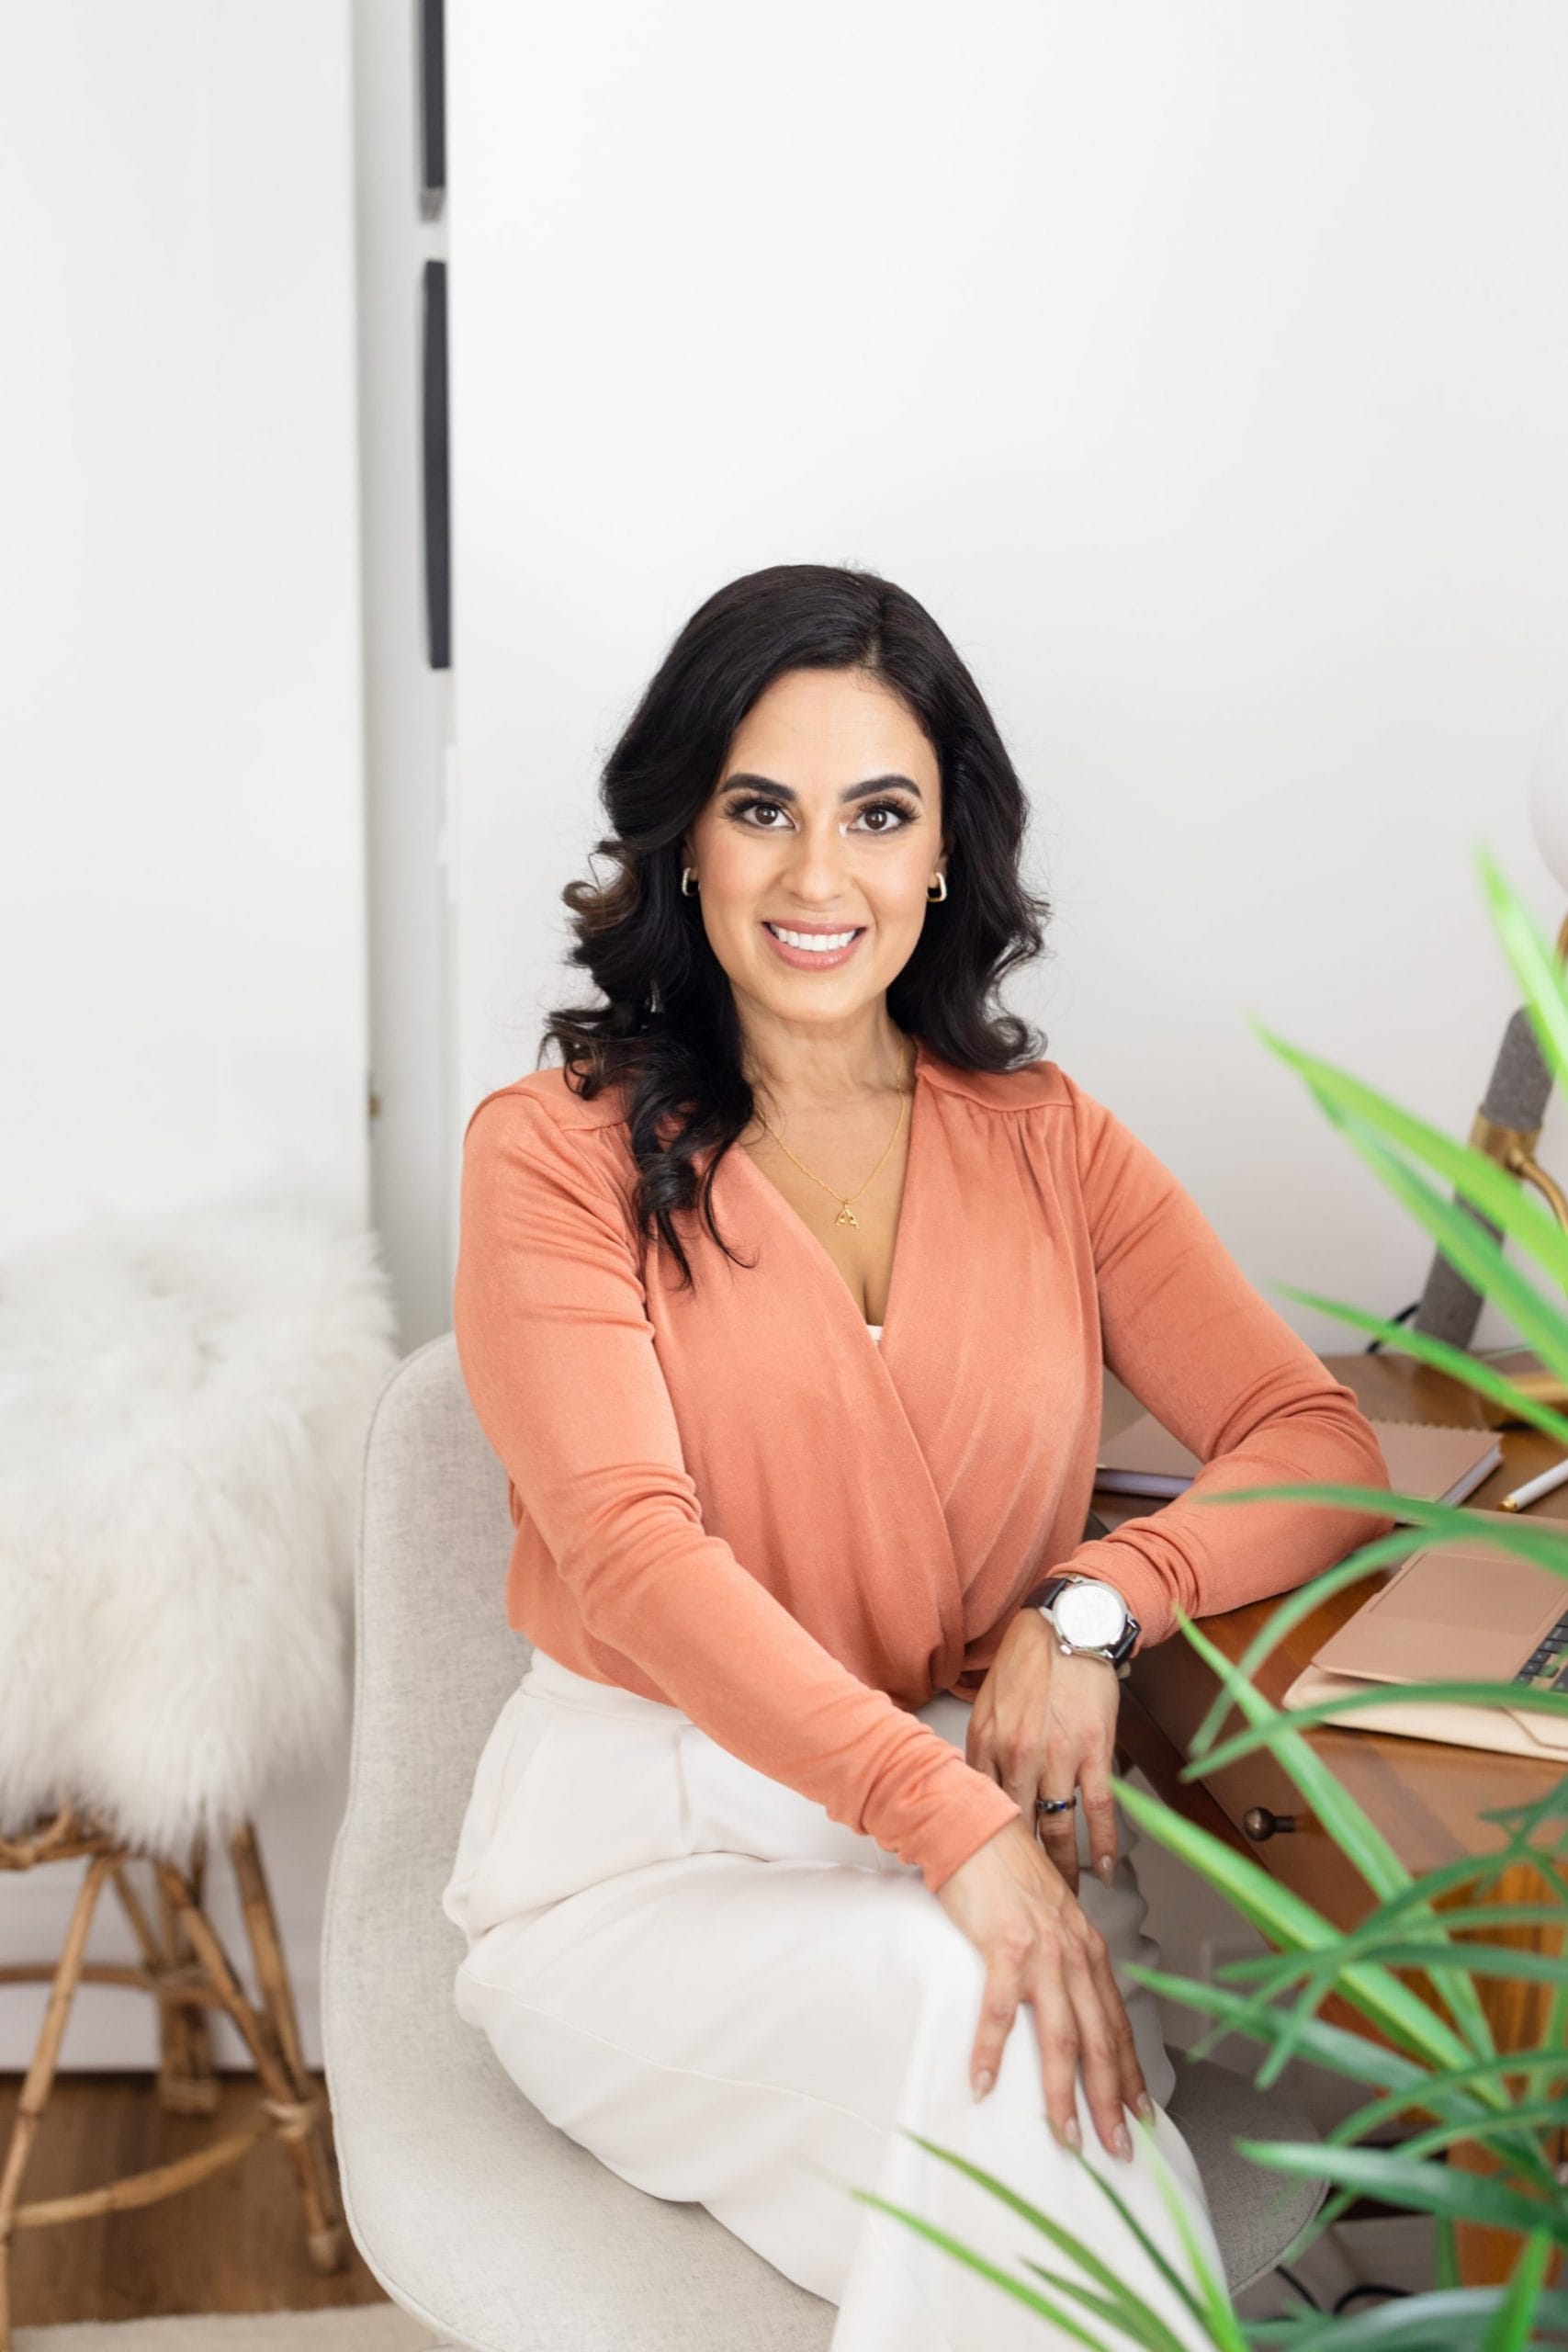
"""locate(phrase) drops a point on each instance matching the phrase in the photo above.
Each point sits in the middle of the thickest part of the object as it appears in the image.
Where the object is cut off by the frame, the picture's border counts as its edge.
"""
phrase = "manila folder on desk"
(1513, 1730)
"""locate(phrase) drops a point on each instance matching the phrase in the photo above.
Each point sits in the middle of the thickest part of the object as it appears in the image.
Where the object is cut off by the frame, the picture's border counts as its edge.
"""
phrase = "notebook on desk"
(1440, 1464)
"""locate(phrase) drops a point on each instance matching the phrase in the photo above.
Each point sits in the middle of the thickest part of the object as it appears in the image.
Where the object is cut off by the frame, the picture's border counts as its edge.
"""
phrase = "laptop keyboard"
(1548, 1662)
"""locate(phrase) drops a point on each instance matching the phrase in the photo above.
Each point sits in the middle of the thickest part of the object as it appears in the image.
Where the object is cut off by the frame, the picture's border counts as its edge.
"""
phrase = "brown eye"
(738, 809)
(905, 815)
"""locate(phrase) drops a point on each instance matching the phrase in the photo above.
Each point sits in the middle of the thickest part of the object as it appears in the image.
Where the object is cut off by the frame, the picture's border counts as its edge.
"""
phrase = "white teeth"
(816, 941)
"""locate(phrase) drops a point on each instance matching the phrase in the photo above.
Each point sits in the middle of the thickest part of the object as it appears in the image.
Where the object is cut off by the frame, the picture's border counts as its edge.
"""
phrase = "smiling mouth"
(815, 943)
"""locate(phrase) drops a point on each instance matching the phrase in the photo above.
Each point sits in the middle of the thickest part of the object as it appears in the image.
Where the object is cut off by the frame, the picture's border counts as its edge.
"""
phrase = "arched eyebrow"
(851, 791)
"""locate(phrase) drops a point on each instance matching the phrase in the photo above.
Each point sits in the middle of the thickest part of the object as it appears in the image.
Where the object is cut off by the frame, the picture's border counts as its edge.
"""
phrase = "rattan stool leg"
(295, 2107)
(266, 1945)
(277, 1997)
(187, 2080)
(40, 2073)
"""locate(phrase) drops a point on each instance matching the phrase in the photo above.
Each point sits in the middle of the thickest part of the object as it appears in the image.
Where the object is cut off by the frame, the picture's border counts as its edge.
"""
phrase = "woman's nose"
(817, 866)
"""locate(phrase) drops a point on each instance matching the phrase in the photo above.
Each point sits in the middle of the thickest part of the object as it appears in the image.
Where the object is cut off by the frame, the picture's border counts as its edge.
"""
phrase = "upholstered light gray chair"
(479, 2217)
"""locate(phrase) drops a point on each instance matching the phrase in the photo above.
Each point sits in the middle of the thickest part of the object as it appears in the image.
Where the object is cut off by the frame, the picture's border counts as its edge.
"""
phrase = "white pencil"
(1534, 1488)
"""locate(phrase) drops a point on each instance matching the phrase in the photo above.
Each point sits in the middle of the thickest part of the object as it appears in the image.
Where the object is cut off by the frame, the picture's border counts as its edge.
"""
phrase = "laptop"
(1455, 1613)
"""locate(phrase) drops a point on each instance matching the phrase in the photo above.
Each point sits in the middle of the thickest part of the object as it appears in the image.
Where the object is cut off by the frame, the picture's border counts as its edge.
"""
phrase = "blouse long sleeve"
(558, 1354)
(1201, 1349)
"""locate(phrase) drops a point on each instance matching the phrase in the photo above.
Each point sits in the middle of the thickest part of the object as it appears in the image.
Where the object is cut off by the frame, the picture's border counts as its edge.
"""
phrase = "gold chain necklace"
(846, 1215)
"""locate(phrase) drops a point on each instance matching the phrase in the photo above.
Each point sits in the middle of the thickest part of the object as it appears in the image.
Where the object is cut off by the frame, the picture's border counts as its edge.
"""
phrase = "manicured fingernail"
(1105, 1868)
(1069, 2135)
(1121, 2143)
(983, 2084)
(1146, 2107)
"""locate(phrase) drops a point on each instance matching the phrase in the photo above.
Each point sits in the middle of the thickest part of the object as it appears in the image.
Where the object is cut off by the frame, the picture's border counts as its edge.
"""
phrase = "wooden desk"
(1427, 1799)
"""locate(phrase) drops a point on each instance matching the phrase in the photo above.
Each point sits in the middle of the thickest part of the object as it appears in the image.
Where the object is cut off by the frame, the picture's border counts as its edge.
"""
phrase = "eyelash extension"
(900, 809)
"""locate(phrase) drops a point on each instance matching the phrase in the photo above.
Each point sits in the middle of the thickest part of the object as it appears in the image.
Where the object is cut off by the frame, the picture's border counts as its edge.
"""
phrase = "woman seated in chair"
(784, 1303)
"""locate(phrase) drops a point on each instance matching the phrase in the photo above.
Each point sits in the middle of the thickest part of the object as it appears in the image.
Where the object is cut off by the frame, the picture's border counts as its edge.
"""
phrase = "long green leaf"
(1135, 2320)
(1465, 1244)
(1059, 2236)
(1540, 1812)
(1030, 2297)
(1548, 2058)
(1466, 1369)
(1353, 2055)
(1474, 1871)
(1219, 2309)
(1431, 2189)
(1544, 1541)
(1461, 2096)
(1209, 2293)
(1536, 966)
(1468, 1245)
(1387, 1694)
(1017, 2288)
(1514, 2322)
(1506, 1961)
(1530, 2115)
(1454, 2320)
(1375, 1936)
(1445, 2251)
(1476, 1177)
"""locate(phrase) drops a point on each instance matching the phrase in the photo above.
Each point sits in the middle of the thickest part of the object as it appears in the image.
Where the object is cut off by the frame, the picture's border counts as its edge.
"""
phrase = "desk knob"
(1259, 1822)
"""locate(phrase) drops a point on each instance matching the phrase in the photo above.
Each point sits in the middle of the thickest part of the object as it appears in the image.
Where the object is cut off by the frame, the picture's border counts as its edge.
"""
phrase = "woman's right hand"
(1012, 1902)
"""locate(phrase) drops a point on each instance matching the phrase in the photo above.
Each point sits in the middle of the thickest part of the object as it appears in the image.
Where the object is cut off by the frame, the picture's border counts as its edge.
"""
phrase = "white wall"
(182, 945)
(182, 919)
(1202, 369)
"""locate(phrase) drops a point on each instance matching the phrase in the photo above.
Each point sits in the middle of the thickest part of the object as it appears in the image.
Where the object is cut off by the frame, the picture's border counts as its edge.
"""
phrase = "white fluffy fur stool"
(184, 1403)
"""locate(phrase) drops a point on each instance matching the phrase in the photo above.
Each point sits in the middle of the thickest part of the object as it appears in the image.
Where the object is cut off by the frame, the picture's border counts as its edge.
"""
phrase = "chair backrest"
(436, 1659)
(476, 2214)
(434, 1662)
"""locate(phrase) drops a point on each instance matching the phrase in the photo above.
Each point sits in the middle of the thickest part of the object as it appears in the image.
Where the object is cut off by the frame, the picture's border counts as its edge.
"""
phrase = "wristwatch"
(1090, 1619)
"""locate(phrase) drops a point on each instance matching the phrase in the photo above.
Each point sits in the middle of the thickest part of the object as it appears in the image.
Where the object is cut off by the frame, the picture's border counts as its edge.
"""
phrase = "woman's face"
(827, 819)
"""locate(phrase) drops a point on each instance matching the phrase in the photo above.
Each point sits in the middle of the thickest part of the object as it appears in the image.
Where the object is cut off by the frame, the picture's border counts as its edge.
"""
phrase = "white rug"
(361, 2327)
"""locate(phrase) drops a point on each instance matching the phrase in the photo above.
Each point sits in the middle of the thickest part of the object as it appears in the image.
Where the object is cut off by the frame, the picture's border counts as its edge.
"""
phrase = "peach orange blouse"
(735, 1500)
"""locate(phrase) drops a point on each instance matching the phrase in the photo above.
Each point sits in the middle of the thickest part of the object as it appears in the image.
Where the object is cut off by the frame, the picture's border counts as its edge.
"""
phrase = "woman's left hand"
(1044, 1725)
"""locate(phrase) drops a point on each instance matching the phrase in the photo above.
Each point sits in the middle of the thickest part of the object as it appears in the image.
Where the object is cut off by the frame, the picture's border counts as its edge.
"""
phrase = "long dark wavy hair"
(668, 1031)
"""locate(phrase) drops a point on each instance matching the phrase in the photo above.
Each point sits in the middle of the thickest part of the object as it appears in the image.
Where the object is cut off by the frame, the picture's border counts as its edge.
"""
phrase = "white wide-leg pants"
(727, 1996)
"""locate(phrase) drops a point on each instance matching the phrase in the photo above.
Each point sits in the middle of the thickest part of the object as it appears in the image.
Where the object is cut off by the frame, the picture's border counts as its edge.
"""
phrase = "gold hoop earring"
(934, 898)
(688, 873)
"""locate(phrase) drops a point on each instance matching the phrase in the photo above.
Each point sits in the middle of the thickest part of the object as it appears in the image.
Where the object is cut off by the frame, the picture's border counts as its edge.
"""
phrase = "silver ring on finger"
(1055, 1804)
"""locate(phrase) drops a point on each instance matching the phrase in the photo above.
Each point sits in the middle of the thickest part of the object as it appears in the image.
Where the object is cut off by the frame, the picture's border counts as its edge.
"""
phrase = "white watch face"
(1090, 1616)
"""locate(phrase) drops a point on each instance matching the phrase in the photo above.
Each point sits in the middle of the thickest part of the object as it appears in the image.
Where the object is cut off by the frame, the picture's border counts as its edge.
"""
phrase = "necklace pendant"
(846, 1217)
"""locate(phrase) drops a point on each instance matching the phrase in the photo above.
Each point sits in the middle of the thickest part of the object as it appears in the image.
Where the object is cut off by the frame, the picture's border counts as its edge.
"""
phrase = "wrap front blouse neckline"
(811, 1243)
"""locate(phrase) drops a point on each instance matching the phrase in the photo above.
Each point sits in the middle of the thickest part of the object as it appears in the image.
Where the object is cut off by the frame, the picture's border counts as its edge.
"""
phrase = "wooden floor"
(234, 2243)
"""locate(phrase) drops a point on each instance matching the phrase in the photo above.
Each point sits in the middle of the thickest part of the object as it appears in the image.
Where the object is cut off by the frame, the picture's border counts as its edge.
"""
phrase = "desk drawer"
(1174, 1700)
(1304, 1859)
